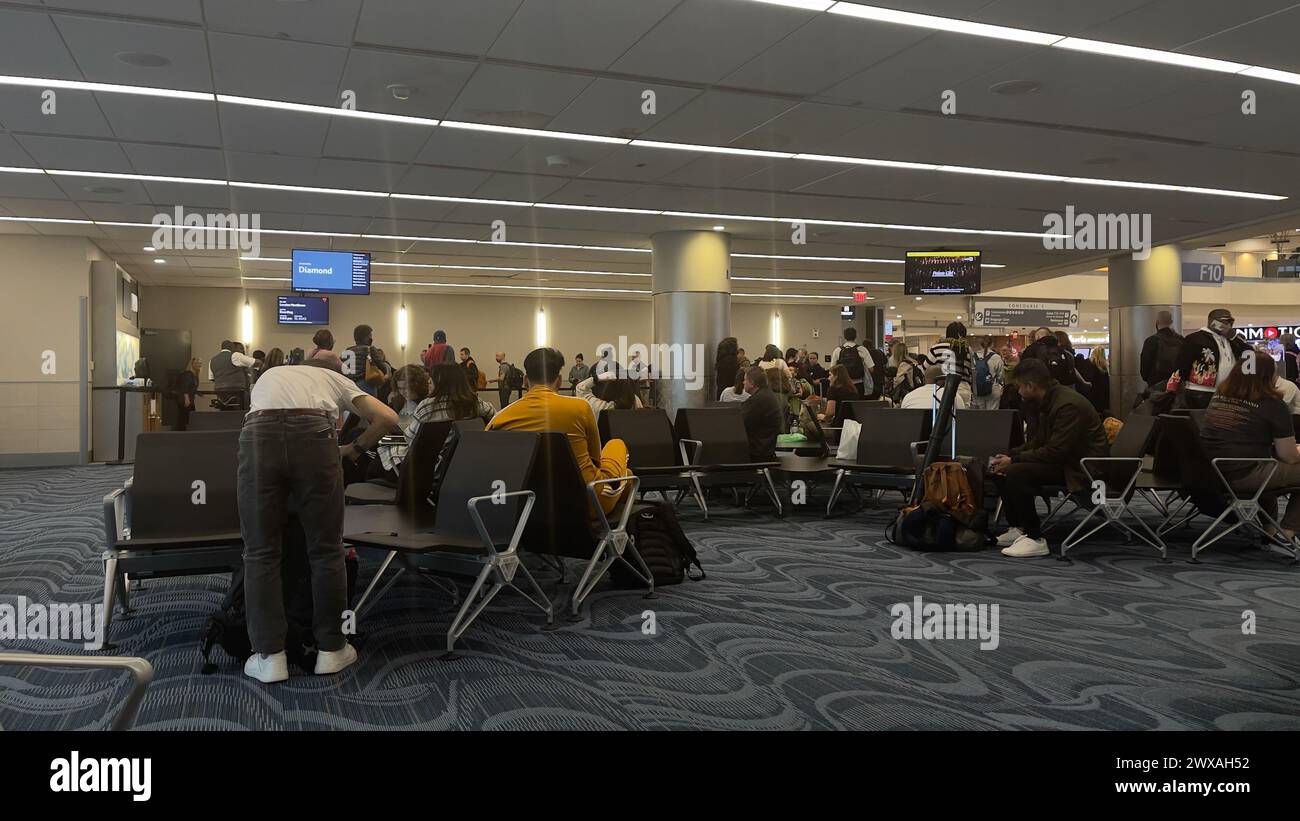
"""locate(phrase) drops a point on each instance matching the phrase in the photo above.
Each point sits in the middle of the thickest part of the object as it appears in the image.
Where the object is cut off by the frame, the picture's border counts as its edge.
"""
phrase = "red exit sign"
(859, 296)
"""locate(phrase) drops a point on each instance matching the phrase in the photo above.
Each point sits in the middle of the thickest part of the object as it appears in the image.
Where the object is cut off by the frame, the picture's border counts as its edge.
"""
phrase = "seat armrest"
(113, 531)
(498, 498)
(1114, 460)
(693, 459)
(627, 502)
(140, 669)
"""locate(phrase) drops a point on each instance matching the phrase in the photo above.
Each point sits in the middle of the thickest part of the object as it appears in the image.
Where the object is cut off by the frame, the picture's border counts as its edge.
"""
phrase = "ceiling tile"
(96, 42)
(579, 33)
(277, 69)
(459, 26)
(329, 21)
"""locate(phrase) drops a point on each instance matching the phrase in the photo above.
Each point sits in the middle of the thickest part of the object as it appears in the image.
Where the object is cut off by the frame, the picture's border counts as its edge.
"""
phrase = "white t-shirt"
(929, 396)
(304, 387)
(1290, 394)
(732, 395)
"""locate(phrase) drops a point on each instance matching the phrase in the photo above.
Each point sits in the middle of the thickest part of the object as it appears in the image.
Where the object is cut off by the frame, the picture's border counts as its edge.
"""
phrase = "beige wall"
(41, 414)
(484, 324)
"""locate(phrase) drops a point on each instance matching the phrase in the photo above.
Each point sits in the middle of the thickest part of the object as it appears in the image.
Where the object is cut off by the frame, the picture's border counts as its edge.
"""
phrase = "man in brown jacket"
(1068, 430)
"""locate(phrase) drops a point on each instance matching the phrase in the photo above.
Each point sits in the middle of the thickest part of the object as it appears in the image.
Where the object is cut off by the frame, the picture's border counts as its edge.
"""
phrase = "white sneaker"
(1009, 538)
(1027, 548)
(332, 661)
(267, 669)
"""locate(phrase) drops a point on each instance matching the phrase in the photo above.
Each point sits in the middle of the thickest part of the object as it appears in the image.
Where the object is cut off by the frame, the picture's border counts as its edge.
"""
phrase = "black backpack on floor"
(228, 627)
(662, 544)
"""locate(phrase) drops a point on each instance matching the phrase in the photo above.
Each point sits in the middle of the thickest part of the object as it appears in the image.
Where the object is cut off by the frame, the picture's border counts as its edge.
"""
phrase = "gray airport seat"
(483, 508)
(177, 515)
(887, 451)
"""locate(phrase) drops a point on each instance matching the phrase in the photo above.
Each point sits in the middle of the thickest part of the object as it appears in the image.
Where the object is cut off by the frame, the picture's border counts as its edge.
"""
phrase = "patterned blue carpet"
(791, 630)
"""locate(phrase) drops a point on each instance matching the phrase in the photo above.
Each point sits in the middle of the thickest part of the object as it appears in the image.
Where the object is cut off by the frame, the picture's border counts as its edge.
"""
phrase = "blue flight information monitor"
(331, 272)
(302, 310)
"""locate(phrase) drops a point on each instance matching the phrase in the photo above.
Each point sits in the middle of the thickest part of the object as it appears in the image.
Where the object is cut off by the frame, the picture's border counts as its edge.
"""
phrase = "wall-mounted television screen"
(302, 310)
(331, 272)
(942, 272)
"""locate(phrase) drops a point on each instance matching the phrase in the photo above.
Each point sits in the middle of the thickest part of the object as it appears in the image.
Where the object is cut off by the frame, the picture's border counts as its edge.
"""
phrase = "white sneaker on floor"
(332, 661)
(1009, 538)
(1027, 548)
(267, 669)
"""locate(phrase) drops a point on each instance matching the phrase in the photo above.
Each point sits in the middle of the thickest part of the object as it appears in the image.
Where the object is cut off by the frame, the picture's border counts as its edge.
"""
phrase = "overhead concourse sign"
(1009, 313)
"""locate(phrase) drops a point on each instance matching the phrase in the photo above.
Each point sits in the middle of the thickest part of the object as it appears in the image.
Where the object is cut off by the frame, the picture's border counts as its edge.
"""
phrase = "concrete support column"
(692, 313)
(1138, 290)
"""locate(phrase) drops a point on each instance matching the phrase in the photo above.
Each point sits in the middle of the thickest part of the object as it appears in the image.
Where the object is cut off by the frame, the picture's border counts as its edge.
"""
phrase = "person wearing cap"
(1206, 358)
(289, 456)
(439, 353)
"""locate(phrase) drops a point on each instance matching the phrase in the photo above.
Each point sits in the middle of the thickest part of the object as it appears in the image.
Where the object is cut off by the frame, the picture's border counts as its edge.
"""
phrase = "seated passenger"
(764, 415)
(1247, 419)
(447, 397)
(931, 393)
(736, 392)
(605, 392)
(542, 409)
(1068, 430)
(842, 392)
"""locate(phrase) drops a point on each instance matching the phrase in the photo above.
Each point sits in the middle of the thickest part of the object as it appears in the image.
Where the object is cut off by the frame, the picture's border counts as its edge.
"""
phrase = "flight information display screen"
(942, 272)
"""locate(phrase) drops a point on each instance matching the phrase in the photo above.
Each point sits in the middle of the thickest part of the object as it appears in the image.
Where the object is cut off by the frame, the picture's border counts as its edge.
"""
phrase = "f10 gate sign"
(1198, 273)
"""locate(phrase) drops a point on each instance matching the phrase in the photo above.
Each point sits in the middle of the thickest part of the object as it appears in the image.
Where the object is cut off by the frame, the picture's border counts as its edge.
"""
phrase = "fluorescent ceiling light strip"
(817, 281)
(823, 259)
(13, 169)
(945, 24)
(506, 268)
(713, 149)
(888, 15)
(469, 200)
(699, 215)
(1150, 55)
(561, 206)
(800, 296)
(839, 158)
(307, 189)
(896, 227)
(1261, 73)
(535, 132)
(59, 172)
(47, 219)
(111, 88)
(514, 287)
(326, 110)
(810, 5)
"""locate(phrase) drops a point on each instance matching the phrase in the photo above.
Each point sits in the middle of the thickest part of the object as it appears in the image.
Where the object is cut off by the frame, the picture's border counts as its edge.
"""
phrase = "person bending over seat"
(289, 452)
(543, 409)
(764, 415)
(1068, 430)
(1247, 419)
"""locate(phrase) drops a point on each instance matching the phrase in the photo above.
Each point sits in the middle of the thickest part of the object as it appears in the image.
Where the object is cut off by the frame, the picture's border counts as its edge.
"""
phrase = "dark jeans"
(1020, 487)
(504, 394)
(282, 460)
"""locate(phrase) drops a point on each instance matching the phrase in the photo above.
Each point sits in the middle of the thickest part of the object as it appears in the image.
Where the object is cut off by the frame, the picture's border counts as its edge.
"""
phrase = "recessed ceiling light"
(918, 299)
(1015, 88)
(142, 59)
(149, 248)
(159, 261)
(891, 307)
(719, 228)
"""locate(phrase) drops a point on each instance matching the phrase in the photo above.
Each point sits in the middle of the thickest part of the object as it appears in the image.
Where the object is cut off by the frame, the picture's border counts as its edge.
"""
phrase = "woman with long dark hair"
(1247, 419)
(726, 363)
